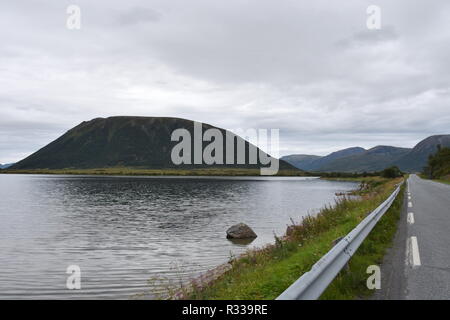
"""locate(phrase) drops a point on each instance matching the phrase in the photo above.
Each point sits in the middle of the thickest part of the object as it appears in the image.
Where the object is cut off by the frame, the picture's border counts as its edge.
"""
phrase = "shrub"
(391, 172)
(438, 164)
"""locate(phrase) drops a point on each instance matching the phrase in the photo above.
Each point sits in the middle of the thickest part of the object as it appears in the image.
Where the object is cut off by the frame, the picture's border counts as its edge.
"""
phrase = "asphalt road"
(418, 265)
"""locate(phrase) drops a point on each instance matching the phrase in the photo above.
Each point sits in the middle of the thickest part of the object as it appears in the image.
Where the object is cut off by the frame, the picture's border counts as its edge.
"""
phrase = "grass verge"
(444, 179)
(351, 284)
(266, 272)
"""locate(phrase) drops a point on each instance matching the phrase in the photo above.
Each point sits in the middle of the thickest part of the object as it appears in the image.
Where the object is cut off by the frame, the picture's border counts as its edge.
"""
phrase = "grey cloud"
(311, 69)
(138, 15)
(369, 37)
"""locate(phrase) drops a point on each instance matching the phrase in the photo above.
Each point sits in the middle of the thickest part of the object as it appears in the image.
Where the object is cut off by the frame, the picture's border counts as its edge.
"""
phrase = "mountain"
(143, 142)
(375, 159)
(417, 158)
(357, 159)
(378, 158)
(301, 161)
(326, 161)
(6, 165)
(315, 163)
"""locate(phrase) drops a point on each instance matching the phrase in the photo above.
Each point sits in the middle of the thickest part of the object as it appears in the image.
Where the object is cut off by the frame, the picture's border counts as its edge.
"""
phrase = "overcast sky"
(310, 68)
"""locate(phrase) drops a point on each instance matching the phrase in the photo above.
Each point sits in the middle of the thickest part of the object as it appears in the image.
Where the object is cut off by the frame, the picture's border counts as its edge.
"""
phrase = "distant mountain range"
(135, 142)
(6, 165)
(358, 159)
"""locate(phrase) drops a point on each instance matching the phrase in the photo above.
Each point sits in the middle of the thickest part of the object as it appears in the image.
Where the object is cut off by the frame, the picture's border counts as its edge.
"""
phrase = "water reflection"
(242, 242)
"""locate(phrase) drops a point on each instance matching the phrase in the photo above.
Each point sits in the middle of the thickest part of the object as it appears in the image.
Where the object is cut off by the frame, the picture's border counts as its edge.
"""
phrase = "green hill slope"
(301, 161)
(417, 158)
(315, 163)
(375, 159)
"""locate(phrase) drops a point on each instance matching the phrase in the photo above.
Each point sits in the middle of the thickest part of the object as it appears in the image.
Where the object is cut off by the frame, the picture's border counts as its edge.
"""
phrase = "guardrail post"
(346, 267)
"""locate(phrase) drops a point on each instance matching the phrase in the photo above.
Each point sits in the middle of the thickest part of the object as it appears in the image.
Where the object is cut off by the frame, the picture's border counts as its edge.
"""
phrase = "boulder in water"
(240, 231)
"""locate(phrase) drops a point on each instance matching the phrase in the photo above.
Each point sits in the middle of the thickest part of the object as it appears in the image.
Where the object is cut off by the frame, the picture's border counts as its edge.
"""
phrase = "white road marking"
(410, 218)
(409, 197)
(413, 252)
(410, 204)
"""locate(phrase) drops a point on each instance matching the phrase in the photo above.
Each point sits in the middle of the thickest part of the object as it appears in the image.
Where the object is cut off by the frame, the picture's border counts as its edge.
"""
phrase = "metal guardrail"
(313, 283)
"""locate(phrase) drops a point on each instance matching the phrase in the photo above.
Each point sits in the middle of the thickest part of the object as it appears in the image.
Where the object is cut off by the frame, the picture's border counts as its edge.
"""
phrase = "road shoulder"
(393, 277)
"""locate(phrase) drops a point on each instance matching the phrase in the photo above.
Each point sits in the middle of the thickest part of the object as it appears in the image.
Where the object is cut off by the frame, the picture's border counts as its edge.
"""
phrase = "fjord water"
(132, 235)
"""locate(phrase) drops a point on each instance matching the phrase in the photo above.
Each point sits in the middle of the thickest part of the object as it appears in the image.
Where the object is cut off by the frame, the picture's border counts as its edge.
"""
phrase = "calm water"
(123, 231)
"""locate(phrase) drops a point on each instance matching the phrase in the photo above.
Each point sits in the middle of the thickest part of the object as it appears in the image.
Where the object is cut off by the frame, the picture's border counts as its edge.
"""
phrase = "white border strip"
(410, 218)
(414, 252)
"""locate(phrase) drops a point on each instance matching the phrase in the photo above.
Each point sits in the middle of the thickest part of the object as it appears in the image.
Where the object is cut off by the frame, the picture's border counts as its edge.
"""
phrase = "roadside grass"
(366, 184)
(444, 179)
(266, 272)
(154, 172)
(351, 283)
